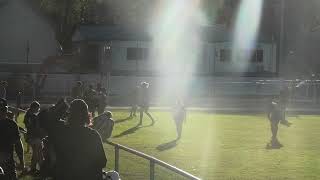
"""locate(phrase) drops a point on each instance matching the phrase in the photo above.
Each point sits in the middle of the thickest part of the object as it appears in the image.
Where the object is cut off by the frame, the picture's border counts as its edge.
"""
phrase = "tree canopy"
(65, 16)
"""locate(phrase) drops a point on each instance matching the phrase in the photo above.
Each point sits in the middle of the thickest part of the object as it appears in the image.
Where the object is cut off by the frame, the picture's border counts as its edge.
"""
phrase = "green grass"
(219, 146)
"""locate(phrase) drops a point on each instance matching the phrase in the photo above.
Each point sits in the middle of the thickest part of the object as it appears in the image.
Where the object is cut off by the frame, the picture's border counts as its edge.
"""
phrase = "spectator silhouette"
(104, 125)
(34, 135)
(79, 151)
(9, 138)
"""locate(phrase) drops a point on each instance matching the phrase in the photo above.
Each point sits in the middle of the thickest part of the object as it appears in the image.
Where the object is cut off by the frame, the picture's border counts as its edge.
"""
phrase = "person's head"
(60, 108)
(109, 114)
(79, 83)
(3, 108)
(78, 113)
(35, 106)
(144, 84)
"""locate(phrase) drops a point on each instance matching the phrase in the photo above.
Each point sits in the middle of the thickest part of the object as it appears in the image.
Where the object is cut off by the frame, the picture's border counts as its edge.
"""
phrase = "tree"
(65, 16)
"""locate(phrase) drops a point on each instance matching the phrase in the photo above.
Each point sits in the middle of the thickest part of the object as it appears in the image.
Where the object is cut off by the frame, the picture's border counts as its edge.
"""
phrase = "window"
(257, 56)
(136, 54)
(225, 55)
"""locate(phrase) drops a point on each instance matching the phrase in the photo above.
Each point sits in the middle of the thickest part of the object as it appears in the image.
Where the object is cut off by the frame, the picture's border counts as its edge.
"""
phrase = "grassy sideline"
(218, 146)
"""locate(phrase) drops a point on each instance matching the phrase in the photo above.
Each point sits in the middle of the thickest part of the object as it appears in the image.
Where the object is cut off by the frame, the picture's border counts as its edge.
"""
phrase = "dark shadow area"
(130, 131)
(269, 146)
(123, 120)
(167, 146)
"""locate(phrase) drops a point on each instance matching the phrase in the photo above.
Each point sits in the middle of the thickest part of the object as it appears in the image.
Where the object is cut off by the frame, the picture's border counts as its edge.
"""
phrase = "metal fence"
(152, 162)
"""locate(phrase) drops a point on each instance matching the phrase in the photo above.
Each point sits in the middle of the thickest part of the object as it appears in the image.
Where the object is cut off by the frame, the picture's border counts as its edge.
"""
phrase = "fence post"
(151, 170)
(116, 157)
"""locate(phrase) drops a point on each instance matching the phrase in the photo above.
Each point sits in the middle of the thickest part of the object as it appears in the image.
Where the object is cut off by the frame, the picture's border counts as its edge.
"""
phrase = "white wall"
(269, 59)
(209, 63)
(18, 24)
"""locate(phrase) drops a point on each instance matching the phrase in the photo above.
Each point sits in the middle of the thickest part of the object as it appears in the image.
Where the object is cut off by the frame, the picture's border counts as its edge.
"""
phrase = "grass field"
(219, 146)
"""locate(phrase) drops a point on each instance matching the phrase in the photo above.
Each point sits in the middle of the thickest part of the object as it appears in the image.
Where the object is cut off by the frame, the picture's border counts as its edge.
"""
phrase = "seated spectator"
(104, 125)
(78, 148)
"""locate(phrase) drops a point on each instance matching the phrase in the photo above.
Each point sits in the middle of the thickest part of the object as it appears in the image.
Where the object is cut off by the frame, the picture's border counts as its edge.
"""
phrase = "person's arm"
(101, 160)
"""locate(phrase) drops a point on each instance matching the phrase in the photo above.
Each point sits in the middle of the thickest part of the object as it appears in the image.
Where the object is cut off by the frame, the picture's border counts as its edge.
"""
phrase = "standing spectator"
(3, 89)
(34, 135)
(102, 100)
(90, 96)
(79, 151)
(18, 104)
(9, 138)
(104, 125)
(99, 87)
(77, 91)
(144, 102)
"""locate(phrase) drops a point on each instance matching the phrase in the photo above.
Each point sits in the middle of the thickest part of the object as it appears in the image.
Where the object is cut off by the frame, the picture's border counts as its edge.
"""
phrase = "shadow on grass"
(273, 147)
(123, 120)
(130, 131)
(167, 146)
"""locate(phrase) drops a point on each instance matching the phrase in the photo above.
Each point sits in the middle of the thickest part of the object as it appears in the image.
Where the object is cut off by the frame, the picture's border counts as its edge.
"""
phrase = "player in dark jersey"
(274, 116)
(144, 102)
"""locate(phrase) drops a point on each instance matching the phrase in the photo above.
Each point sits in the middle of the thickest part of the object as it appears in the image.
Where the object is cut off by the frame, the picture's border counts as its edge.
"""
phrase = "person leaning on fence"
(34, 136)
(9, 138)
(78, 148)
(104, 125)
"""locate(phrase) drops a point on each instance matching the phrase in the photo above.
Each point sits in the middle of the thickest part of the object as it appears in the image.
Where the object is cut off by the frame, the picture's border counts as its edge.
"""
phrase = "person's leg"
(179, 128)
(274, 130)
(146, 110)
(133, 110)
(141, 115)
(135, 107)
(34, 157)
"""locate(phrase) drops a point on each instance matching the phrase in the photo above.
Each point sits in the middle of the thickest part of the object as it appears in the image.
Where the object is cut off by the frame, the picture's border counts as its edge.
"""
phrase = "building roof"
(218, 33)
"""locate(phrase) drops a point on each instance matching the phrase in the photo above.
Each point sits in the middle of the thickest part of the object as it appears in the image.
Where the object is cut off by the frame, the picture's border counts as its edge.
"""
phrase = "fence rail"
(153, 161)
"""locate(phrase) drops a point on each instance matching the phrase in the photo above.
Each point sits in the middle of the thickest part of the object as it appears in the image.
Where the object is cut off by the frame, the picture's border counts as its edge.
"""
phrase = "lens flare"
(245, 32)
(176, 43)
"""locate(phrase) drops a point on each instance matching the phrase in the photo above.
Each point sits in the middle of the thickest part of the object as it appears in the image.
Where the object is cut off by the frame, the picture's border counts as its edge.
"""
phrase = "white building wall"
(19, 23)
(207, 64)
